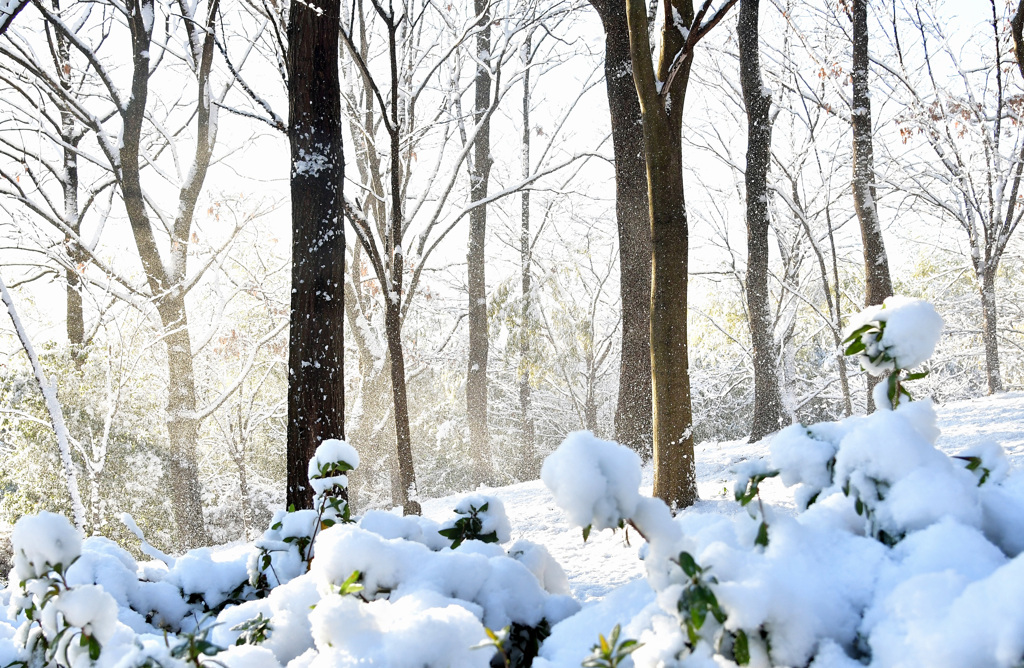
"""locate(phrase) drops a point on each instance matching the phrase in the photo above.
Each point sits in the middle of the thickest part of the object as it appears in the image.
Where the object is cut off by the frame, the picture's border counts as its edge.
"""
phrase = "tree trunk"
(527, 430)
(878, 285)
(75, 323)
(406, 472)
(662, 99)
(476, 376)
(633, 418)
(675, 478)
(316, 400)
(989, 336)
(182, 428)
(769, 412)
(165, 284)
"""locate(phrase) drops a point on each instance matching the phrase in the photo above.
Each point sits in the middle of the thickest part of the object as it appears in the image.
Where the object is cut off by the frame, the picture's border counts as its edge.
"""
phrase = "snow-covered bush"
(386, 589)
(285, 550)
(895, 553)
(894, 337)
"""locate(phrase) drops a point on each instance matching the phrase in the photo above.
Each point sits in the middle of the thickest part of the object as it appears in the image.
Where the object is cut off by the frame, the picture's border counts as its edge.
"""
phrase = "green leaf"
(855, 347)
(586, 532)
(916, 376)
(762, 535)
(94, 648)
(741, 648)
(689, 564)
(857, 333)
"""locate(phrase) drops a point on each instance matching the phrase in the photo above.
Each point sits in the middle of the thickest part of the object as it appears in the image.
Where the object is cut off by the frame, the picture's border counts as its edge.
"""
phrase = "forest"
(289, 283)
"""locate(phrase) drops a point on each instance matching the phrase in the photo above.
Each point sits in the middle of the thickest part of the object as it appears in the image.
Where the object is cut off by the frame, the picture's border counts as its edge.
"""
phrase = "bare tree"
(662, 95)
(479, 174)
(769, 413)
(633, 412)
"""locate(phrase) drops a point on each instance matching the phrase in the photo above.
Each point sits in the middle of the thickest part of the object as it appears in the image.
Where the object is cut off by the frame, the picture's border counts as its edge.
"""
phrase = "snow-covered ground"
(883, 551)
(606, 561)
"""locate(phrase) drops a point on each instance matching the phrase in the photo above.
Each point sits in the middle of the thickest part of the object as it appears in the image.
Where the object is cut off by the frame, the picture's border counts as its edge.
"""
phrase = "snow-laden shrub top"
(41, 543)
(394, 592)
(900, 333)
(594, 481)
(895, 554)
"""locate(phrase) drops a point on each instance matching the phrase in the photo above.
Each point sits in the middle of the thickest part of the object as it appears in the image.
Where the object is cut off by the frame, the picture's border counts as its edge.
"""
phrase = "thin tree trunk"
(165, 284)
(316, 401)
(989, 336)
(877, 284)
(69, 139)
(769, 412)
(406, 472)
(526, 426)
(393, 302)
(476, 376)
(633, 417)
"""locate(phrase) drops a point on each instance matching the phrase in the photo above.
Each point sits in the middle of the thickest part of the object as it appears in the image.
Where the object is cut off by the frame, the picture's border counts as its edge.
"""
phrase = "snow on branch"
(49, 391)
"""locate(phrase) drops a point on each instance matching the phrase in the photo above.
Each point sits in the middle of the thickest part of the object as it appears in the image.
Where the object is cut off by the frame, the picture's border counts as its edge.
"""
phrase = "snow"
(911, 330)
(595, 482)
(42, 542)
(883, 548)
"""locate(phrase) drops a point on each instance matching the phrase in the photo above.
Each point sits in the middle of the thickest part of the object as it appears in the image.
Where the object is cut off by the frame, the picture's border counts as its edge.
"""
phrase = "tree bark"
(769, 412)
(480, 169)
(70, 138)
(989, 335)
(316, 401)
(527, 430)
(406, 472)
(878, 285)
(633, 417)
(662, 97)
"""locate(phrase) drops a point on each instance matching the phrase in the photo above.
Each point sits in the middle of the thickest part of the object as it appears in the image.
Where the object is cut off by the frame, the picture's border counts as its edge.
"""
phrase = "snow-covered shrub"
(62, 624)
(480, 518)
(393, 591)
(894, 337)
(886, 559)
(285, 550)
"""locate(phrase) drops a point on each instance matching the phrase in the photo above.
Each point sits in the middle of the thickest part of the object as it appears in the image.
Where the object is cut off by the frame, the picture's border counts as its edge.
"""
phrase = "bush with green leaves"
(285, 550)
(479, 518)
(61, 624)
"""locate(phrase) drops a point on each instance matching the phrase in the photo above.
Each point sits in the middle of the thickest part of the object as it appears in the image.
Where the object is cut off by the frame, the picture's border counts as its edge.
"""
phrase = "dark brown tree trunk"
(769, 412)
(989, 335)
(675, 479)
(526, 426)
(76, 255)
(878, 285)
(316, 401)
(633, 417)
(480, 170)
